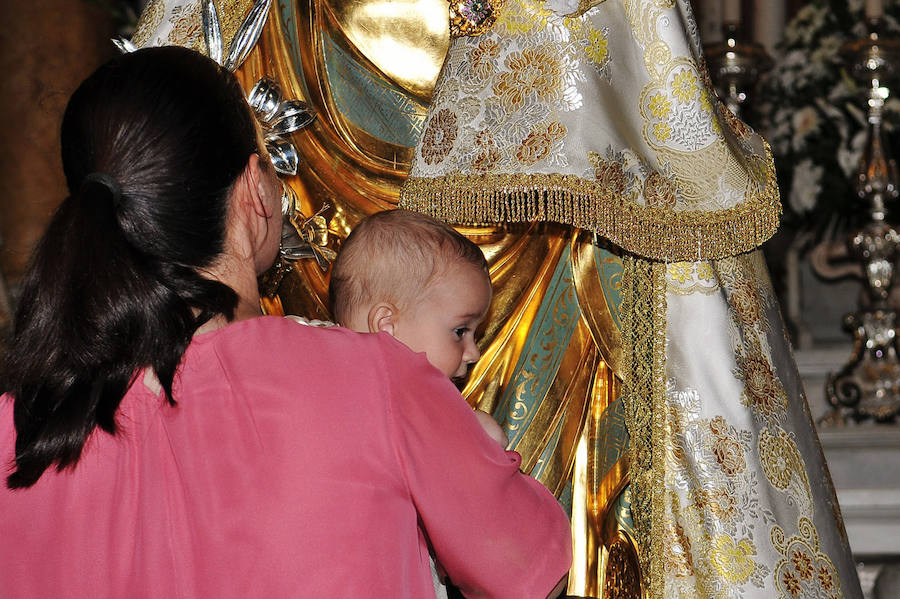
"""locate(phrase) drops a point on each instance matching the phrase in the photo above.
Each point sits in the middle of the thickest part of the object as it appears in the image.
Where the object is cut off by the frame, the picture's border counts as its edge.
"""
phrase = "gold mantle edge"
(650, 232)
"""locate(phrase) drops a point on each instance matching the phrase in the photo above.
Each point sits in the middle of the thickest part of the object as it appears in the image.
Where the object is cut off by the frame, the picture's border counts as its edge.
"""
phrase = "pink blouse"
(298, 462)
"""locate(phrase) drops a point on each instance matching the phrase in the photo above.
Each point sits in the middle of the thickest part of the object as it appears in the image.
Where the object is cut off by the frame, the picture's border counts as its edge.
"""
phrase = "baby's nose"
(472, 353)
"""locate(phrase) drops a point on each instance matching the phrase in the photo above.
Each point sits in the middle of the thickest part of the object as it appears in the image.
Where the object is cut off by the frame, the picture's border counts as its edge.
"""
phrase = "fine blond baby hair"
(393, 256)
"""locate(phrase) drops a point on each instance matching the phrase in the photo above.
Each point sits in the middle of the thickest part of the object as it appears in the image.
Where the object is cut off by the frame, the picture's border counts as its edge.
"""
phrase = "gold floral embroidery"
(595, 42)
(150, 20)
(662, 131)
(516, 19)
(659, 192)
(537, 145)
(687, 278)
(660, 106)
(681, 271)
(448, 94)
(722, 504)
(534, 66)
(791, 583)
(610, 175)
(729, 456)
(707, 464)
(803, 570)
(598, 47)
(486, 152)
(782, 463)
(734, 561)
(727, 449)
(678, 560)
(706, 102)
(719, 502)
(826, 578)
(531, 71)
(186, 26)
(745, 302)
(684, 86)
(763, 392)
(802, 564)
(481, 59)
(439, 136)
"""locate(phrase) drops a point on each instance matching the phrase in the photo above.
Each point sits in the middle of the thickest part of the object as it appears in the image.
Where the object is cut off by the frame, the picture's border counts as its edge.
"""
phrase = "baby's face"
(443, 321)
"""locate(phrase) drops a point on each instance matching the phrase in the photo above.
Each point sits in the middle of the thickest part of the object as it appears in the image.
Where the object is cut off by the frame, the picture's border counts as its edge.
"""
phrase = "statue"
(634, 352)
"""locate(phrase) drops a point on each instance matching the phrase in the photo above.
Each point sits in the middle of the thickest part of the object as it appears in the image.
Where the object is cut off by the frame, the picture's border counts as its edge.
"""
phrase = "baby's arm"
(491, 427)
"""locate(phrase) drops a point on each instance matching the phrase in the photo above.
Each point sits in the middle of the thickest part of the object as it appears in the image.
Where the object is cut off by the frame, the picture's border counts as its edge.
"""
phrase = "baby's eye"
(460, 331)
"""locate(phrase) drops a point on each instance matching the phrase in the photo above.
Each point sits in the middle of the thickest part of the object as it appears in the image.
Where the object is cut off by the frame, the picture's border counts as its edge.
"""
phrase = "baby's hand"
(322, 324)
(491, 427)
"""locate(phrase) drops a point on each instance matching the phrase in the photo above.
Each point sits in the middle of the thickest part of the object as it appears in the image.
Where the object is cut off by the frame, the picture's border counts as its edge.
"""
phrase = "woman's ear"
(249, 193)
(256, 184)
(255, 214)
(381, 317)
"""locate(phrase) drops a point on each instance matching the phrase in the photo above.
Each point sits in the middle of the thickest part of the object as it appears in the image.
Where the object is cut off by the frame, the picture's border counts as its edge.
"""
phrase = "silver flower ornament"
(302, 237)
(279, 118)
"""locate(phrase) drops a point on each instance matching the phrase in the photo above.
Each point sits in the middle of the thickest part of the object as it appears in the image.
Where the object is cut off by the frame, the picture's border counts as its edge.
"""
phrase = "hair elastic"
(107, 181)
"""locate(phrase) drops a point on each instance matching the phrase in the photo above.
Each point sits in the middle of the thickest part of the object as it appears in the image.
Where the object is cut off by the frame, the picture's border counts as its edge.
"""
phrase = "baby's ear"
(381, 318)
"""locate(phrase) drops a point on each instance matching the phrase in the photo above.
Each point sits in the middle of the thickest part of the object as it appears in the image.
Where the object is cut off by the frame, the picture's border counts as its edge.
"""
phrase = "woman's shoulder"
(299, 336)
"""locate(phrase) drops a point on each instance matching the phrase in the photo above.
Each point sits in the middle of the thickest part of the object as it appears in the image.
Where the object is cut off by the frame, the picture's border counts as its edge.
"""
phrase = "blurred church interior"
(803, 73)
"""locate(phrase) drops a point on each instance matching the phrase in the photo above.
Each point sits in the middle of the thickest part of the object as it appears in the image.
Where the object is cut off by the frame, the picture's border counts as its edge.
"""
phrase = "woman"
(161, 443)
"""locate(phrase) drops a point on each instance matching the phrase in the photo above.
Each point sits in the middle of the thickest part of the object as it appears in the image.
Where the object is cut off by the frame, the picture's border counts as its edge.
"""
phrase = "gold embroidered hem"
(644, 336)
(651, 232)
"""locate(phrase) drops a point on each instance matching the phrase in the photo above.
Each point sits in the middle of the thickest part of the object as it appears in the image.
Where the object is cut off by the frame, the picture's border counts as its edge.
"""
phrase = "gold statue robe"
(625, 302)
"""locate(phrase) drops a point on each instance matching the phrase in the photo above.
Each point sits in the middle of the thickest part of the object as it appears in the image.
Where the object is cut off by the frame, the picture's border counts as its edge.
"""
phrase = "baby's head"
(417, 279)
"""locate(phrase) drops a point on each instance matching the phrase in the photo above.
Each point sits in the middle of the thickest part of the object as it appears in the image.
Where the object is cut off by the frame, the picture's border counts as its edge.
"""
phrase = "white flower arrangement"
(813, 114)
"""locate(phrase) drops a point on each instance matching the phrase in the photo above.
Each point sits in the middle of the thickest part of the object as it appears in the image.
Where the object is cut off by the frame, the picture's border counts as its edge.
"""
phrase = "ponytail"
(113, 285)
(94, 311)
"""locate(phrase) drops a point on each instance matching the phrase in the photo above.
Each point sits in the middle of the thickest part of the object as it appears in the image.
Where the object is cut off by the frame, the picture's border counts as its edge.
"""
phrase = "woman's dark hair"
(151, 145)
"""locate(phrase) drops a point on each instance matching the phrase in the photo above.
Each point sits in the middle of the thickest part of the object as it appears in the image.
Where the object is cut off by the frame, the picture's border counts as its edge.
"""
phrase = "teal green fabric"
(544, 348)
(611, 270)
(379, 108)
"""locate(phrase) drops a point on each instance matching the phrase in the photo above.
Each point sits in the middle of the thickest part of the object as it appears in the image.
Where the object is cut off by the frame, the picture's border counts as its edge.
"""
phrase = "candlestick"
(735, 65)
(711, 21)
(874, 9)
(868, 386)
(731, 11)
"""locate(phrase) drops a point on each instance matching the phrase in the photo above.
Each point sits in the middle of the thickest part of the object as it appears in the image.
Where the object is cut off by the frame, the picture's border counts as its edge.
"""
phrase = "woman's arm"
(498, 533)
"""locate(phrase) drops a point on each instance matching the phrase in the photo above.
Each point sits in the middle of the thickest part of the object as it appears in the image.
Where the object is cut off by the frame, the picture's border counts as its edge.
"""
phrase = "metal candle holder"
(868, 386)
(735, 65)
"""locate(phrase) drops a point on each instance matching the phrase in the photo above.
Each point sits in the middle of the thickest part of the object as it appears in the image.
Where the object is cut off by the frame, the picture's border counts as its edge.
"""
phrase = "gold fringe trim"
(652, 232)
(644, 337)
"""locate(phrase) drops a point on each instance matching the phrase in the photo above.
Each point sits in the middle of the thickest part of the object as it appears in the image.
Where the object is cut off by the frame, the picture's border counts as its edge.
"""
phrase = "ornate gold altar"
(633, 352)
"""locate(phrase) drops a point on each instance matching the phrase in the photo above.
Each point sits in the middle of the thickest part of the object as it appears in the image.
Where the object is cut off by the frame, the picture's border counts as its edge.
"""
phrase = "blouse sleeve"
(497, 532)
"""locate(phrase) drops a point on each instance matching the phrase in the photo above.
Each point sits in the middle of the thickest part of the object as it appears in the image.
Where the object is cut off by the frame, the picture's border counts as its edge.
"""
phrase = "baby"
(420, 281)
